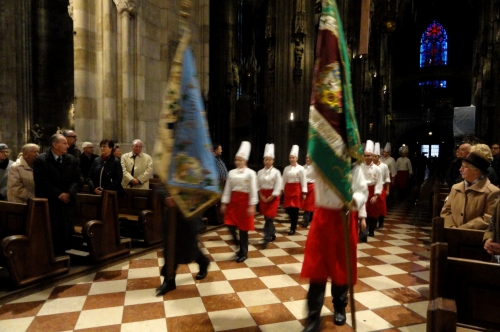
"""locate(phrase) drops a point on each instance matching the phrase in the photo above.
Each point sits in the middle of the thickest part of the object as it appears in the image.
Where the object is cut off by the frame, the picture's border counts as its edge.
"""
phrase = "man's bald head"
(464, 150)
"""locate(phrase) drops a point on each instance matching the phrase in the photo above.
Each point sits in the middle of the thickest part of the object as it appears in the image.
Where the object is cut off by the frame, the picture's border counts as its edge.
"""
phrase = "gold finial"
(186, 5)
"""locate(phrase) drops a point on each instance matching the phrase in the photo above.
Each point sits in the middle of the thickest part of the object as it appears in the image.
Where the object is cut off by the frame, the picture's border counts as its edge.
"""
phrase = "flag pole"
(347, 238)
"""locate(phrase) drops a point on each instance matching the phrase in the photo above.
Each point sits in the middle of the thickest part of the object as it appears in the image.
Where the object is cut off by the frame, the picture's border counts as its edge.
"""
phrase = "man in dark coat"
(57, 178)
(180, 243)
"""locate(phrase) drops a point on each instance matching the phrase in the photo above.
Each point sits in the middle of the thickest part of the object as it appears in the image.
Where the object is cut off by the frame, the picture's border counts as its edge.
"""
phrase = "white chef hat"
(294, 151)
(404, 149)
(244, 150)
(387, 147)
(376, 151)
(369, 146)
(269, 150)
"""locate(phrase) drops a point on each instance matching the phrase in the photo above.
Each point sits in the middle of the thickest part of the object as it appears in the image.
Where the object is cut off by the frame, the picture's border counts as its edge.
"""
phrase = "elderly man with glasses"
(472, 201)
(5, 164)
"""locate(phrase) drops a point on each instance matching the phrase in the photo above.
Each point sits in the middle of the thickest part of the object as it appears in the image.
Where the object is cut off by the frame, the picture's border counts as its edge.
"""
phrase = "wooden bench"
(26, 237)
(440, 193)
(462, 290)
(97, 226)
(140, 214)
(462, 243)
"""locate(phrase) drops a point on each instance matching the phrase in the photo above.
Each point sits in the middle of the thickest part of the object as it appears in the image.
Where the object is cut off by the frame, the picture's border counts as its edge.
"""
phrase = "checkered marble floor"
(264, 293)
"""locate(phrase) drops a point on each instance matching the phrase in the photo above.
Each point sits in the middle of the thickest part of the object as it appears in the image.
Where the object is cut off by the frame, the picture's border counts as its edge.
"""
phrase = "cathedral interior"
(101, 68)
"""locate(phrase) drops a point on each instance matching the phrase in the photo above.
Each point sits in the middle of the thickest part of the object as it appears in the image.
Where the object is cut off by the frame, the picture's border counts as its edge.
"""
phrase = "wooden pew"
(140, 213)
(440, 193)
(462, 243)
(26, 237)
(473, 285)
(97, 225)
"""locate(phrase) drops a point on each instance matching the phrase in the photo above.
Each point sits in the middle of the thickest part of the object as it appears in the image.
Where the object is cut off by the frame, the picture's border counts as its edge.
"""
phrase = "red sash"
(237, 212)
(401, 179)
(309, 204)
(293, 195)
(268, 209)
(324, 254)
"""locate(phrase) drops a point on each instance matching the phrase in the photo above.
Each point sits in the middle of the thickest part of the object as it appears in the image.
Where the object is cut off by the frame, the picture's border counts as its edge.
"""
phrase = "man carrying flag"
(333, 141)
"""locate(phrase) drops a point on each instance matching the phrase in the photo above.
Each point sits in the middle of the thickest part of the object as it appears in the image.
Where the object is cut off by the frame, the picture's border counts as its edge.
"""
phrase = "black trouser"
(243, 244)
(307, 217)
(316, 295)
(269, 229)
(293, 214)
(232, 230)
(381, 221)
(372, 224)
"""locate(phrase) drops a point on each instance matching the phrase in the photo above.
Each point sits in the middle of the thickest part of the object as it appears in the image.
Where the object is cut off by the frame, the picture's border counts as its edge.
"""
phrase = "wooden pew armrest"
(90, 226)
(11, 240)
(145, 214)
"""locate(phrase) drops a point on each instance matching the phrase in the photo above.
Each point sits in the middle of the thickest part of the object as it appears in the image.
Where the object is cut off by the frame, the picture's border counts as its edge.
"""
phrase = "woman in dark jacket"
(106, 171)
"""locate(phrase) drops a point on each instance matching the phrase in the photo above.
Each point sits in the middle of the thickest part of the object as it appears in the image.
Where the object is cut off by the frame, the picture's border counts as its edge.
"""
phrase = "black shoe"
(203, 271)
(312, 325)
(167, 286)
(292, 231)
(273, 238)
(339, 317)
(372, 234)
(265, 243)
(241, 259)
(305, 224)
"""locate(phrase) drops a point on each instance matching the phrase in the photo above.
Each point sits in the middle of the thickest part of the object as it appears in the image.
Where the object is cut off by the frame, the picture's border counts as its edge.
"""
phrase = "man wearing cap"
(5, 164)
(373, 176)
(404, 172)
(294, 188)
(386, 178)
(269, 187)
(72, 148)
(21, 184)
(57, 178)
(137, 167)
(471, 202)
(86, 159)
(239, 199)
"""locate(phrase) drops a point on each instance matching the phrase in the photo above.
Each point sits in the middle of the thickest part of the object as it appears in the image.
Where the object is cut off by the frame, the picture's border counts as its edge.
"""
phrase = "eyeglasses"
(72, 136)
(5, 151)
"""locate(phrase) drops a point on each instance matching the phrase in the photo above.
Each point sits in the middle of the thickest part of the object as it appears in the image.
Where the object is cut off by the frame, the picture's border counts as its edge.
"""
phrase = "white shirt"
(386, 177)
(404, 164)
(373, 176)
(242, 180)
(295, 174)
(308, 169)
(328, 199)
(270, 179)
(391, 163)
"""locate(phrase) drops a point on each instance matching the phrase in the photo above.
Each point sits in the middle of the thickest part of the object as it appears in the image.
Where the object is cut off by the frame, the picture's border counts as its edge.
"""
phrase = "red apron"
(401, 179)
(309, 204)
(293, 195)
(372, 210)
(237, 212)
(268, 209)
(382, 202)
(325, 254)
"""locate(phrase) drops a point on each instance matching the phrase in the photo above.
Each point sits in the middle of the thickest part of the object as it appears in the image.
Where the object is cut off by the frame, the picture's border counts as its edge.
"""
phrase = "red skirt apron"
(325, 254)
(309, 204)
(401, 179)
(372, 210)
(268, 209)
(237, 212)
(293, 195)
(382, 202)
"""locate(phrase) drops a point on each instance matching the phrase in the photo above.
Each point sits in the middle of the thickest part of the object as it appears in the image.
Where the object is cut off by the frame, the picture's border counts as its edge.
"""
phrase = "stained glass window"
(434, 50)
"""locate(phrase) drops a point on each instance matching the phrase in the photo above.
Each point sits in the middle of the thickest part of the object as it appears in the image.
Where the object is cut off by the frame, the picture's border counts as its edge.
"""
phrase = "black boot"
(269, 231)
(232, 230)
(203, 263)
(315, 298)
(306, 219)
(372, 222)
(242, 255)
(293, 213)
(380, 222)
(339, 294)
(167, 286)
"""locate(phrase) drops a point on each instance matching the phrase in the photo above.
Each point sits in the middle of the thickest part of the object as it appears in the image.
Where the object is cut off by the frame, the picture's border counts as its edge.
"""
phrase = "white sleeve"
(360, 189)
(254, 197)
(283, 178)
(226, 194)
(380, 183)
(277, 185)
(303, 180)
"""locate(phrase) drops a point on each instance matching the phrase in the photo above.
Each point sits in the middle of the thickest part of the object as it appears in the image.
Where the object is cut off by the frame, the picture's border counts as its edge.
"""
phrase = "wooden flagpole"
(347, 238)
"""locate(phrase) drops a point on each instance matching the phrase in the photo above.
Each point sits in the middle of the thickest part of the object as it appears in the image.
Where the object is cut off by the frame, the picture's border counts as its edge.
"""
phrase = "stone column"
(127, 119)
(110, 116)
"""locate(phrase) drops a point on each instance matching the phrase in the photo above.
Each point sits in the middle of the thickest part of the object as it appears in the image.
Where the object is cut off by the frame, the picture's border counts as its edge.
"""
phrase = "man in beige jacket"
(472, 201)
(137, 167)
(20, 183)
